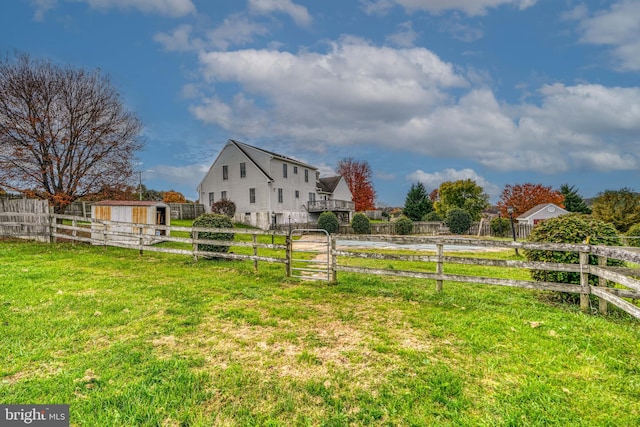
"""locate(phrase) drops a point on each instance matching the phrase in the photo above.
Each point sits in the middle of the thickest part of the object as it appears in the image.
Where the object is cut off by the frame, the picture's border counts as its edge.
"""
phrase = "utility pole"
(139, 184)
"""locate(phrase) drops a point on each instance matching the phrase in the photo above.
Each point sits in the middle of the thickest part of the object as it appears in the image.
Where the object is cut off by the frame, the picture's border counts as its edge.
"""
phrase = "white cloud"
(433, 180)
(408, 99)
(235, 30)
(606, 161)
(469, 7)
(618, 27)
(173, 8)
(460, 31)
(42, 7)
(299, 14)
(178, 40)
(405, 36)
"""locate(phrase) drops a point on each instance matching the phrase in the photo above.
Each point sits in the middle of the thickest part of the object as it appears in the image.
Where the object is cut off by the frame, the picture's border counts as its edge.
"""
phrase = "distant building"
(271, 189)
(540, 213)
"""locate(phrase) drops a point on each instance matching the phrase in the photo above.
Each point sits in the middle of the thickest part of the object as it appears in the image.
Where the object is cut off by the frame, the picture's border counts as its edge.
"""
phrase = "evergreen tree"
(417, 204)
(573, 202)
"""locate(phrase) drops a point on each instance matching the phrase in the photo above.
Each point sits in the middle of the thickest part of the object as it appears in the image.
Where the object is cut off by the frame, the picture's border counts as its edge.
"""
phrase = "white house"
(540, 213)
(269, 188)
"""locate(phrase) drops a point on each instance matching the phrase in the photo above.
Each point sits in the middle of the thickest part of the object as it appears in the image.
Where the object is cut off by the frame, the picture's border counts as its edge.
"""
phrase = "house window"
(284, 170)
(223, 195)
(252, 195)
(306, 175)
(280, 198)
(212, 199)
(297, 194)
(295, 170)
(312, 197)
(243, 170)
(225, 172)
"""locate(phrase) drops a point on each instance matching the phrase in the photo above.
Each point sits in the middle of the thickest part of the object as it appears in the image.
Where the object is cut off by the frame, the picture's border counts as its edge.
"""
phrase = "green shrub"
(432, 216)
(571, 228)
(633, 234)
(404, 225)
(361, 224)
(328, 221)
(213, 220)
(458, 221)
(501, 227)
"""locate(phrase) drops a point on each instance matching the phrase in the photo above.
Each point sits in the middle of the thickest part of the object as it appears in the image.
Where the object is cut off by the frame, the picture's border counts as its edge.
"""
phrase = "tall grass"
(158, 339)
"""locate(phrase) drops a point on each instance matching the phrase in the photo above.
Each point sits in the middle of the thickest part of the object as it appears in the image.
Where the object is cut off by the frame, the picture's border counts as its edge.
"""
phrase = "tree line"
(618, 207)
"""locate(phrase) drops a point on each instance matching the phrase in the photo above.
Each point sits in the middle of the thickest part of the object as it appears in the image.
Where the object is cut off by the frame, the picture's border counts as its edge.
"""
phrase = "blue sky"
(499, 91)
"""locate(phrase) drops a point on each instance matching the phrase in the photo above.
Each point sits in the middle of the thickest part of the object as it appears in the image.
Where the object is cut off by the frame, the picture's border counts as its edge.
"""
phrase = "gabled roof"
(240, 145)
(272, 154)
(246, 148)
(328, 185)
(534, 210)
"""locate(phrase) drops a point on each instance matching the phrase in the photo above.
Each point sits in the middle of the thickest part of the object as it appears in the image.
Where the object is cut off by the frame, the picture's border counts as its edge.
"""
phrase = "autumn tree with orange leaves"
(172, 196)
(64, 132)
(357, 173)
(522, 197)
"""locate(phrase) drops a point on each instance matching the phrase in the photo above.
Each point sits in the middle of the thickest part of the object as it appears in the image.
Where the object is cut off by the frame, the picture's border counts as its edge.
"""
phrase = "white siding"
(342, 192)
(261, 212)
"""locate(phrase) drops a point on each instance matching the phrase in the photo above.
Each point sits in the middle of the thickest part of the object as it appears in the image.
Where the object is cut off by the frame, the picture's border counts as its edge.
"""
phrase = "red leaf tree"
(357, 173)
(522, 197)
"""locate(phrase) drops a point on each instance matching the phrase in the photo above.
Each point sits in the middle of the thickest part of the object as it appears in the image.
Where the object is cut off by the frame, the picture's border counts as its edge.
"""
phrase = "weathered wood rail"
(625, 279)
(616, 285)
(112, 233)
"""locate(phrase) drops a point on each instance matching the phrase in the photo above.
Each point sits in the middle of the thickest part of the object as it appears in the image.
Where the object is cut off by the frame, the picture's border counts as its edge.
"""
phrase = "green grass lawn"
(162, 340)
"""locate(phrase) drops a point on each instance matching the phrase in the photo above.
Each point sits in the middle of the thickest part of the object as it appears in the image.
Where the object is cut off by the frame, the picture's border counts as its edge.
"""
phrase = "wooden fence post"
(255, 252)
(288, 254)
(439, 265)
(602, 282)
(194, 236)
(52, 227)
(74, 233)
(331, 256)
(584, 281)
(140, 239)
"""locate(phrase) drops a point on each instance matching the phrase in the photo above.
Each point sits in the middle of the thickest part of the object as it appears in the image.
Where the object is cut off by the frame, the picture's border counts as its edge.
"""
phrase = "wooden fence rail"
(616, 285)
(625, 279)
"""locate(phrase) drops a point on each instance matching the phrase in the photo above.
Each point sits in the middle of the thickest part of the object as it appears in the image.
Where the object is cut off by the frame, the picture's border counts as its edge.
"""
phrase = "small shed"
(147, 214)
(540, 213)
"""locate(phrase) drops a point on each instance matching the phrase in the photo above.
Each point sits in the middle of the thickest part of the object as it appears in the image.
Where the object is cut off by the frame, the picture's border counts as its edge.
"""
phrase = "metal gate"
(310, 254)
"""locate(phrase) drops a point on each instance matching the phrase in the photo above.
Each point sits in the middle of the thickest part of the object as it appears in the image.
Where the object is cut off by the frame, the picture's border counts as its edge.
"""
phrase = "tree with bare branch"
(64, 132)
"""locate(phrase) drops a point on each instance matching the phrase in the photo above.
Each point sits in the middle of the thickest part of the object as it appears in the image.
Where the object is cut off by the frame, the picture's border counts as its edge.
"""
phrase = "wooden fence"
(24, 218)
(625, 279)
(616, 285)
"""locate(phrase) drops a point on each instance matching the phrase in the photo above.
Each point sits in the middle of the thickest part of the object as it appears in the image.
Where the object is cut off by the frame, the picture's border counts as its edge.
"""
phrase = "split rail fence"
(619, 286)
